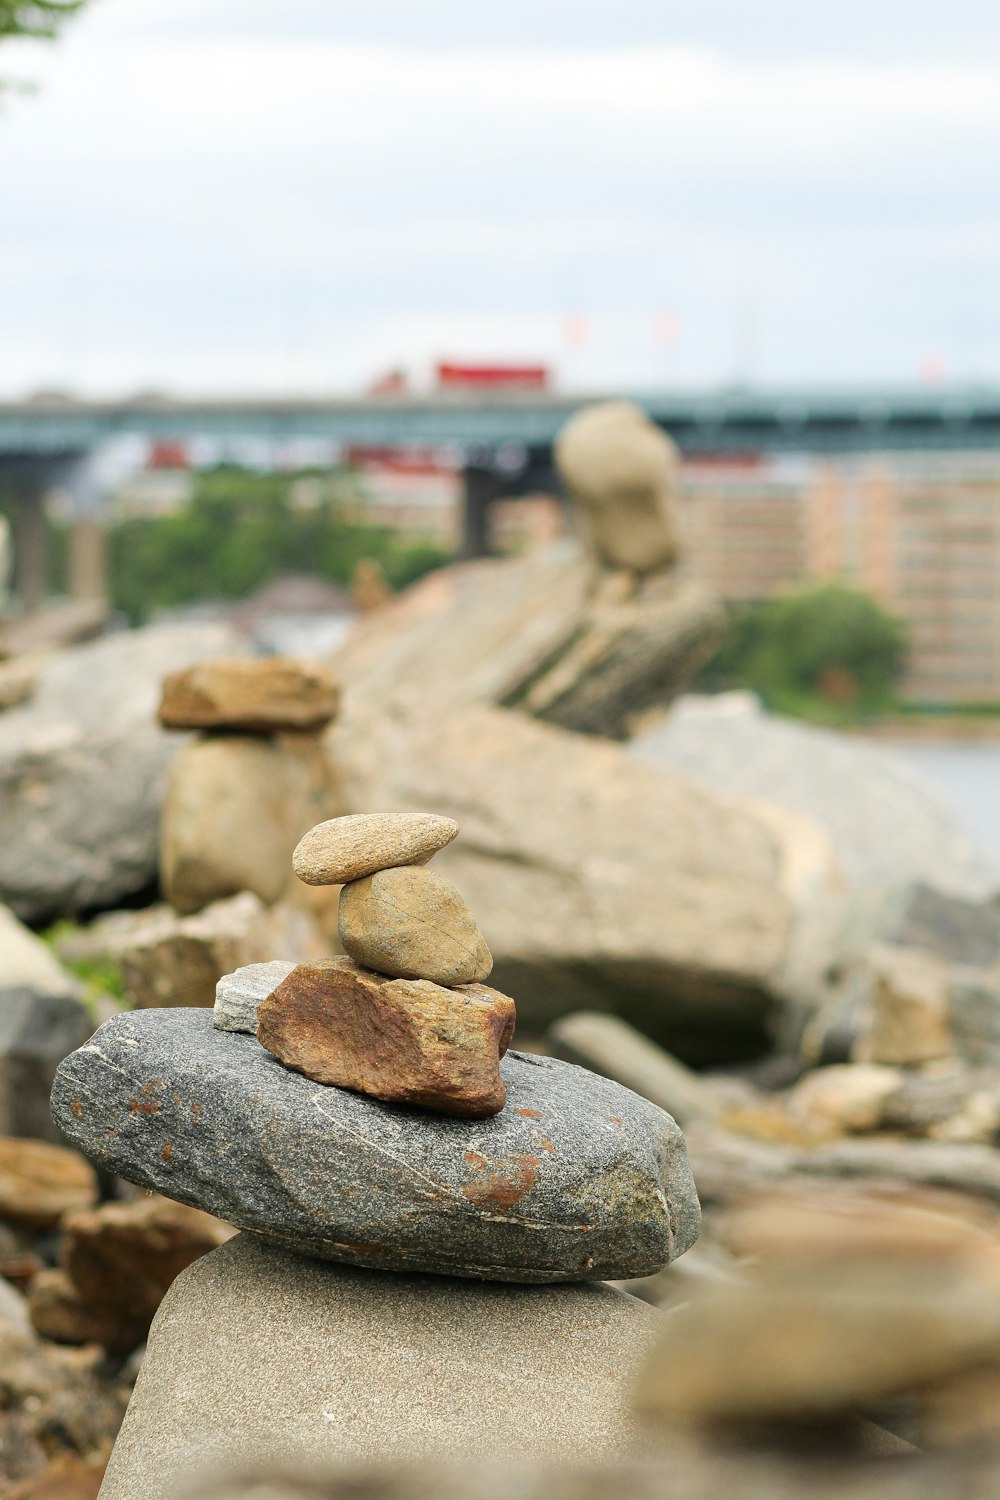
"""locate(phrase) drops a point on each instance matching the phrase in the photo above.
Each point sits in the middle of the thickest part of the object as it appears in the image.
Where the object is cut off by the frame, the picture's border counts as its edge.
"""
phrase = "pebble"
(402, 1040)
(412, 924)
(576, 1179)
(350, 848)
(238, 995)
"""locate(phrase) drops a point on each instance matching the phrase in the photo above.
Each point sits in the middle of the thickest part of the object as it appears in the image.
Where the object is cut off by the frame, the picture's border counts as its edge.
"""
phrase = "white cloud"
(219, 207)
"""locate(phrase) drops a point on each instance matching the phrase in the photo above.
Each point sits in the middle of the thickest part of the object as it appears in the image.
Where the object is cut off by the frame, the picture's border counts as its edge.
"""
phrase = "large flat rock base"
(259, 1357)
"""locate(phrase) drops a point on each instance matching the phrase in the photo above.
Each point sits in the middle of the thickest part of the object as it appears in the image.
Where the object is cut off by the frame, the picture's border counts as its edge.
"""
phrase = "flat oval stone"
(577, 1178)
(412, 924)
(343, 849)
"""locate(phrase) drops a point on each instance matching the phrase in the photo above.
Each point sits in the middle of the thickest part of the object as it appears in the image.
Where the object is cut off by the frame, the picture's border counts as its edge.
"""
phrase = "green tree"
(36, 18)
(243, 529)
(826, 653)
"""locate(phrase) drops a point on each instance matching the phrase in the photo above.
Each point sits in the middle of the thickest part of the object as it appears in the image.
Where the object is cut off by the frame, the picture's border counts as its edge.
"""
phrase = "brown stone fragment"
(116, 1263)
(39, 1182)
(259, 696)
(401, 1040)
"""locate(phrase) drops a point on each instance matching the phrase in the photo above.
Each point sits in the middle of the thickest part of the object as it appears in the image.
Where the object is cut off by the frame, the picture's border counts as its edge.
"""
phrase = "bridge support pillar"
(32, 550)
(480, 489)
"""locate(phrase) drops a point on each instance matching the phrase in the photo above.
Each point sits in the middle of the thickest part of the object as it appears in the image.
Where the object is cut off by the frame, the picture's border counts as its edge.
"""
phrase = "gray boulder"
(261, 1358)
(37, 1030)
(887, 824)
(577, 1179)
(83, 767)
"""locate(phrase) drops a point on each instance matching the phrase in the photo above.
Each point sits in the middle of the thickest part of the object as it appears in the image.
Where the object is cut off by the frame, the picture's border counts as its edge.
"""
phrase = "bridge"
(502, 441)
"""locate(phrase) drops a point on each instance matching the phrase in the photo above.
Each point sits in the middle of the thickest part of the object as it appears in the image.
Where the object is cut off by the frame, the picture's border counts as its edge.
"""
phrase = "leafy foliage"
(825, 653)
(35, 18)
(241, 531)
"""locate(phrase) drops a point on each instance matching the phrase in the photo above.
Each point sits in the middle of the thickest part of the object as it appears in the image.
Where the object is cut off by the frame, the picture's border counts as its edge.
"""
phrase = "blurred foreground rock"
(335, 1364)
(850, 1297)
(682, 1473)
(82, 771)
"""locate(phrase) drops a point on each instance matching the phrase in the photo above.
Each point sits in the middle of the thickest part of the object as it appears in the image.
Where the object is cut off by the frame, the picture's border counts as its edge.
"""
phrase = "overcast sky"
(238, 195)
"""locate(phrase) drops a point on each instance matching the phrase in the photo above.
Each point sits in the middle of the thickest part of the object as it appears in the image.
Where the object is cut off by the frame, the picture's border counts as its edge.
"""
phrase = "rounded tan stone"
(412, 924)
(345, 849)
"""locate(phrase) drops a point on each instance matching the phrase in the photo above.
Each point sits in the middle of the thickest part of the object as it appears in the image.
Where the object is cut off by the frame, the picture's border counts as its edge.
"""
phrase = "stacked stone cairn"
(366, 1109)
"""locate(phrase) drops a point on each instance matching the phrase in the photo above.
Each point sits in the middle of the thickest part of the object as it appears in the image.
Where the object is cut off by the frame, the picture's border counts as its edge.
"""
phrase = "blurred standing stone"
(611, 1046)
(349, 848)
(412, 924)
(260, 696)
(166, 959)
(234, 810)
(82, 771)
(404, 1041)
(25, 961)
(369, 586)
(622, 471)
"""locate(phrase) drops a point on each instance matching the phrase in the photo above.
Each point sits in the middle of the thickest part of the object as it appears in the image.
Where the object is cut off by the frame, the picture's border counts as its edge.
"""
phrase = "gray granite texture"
(577, 1179)
(260, 1358)
(238, 995)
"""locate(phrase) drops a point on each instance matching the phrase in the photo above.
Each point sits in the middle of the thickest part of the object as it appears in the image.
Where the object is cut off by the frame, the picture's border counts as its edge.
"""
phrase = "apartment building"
(920, 532)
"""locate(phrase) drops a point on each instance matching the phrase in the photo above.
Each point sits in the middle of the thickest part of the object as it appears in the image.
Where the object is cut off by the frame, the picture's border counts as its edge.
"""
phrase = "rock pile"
(375, 1117)
(241, 794)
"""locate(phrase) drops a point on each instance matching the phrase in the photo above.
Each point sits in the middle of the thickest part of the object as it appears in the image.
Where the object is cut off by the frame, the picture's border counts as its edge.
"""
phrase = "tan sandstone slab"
(399, 1040)
(412, 924)
(260, 1357)
(272, 693)
(344, 849)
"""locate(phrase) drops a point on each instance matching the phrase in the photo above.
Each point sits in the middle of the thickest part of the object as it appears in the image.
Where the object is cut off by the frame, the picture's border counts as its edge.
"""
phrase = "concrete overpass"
(503, 442)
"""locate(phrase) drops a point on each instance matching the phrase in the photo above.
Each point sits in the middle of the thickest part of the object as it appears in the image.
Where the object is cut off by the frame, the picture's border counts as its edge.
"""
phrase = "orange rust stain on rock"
(195, 1112)
(475, 1160)
(147, 1103)
(504, 1187)
(529, 1114)
(168, 1151)
(76, 1109)
(546, 1145)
